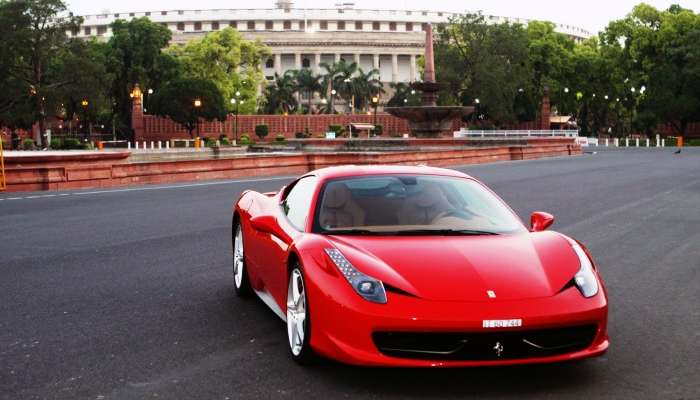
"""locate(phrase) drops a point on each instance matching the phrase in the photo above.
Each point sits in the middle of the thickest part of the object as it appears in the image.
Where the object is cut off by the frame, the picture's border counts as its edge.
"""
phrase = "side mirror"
(540, 221)
(268, 224)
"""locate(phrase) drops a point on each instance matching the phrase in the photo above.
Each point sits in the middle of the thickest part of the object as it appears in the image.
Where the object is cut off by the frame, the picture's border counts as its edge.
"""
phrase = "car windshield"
(411, 204)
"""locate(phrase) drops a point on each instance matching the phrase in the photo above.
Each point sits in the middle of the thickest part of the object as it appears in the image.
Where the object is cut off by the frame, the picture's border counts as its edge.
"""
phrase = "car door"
(292, 213)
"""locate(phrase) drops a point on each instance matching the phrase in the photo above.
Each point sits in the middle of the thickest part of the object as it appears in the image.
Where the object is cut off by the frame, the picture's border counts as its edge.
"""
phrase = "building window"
(88, 31)
(214, 26)
(269, 25)
(197, 26)
(180, 26)
(302, 25)
(424, 13)
(306, 63)
(324, 25)
(164, 24)
(409, 12)
(425, 27)
(358, 25)
(376, 26)
(148, 13)
(341, 25)
(180, 12)
(409, 26)
(163, 13)
(392, 26)
(251, 25)
(270, 63)
(233, 24)
(439, 14)
(101, 30)
(287, 25)
(116, 15)
(75, 31)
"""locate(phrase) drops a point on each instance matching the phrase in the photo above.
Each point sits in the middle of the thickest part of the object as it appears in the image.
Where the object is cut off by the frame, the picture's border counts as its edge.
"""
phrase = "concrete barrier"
(106, 169)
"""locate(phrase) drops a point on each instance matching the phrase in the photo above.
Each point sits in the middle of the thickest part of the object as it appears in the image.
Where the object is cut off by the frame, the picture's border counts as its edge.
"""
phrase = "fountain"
(429, 120)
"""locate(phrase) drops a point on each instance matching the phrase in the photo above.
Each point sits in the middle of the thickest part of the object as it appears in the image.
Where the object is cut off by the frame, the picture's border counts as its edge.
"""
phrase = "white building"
(389, 40)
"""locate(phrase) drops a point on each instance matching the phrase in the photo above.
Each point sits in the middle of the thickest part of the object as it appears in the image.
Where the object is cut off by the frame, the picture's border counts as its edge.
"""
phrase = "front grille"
(483, 346)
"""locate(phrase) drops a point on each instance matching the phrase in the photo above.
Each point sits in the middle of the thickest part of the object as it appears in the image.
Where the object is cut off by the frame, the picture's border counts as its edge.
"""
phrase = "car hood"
(466, 268)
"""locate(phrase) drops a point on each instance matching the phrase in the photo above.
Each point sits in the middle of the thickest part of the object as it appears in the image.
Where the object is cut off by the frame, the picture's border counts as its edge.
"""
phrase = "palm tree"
(279, 95)
(338, 77)
(308, 83)
(404, 95)
(365, 86)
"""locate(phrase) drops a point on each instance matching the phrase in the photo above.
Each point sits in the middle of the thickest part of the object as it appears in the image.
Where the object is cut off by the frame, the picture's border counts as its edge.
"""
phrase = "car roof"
(345, 171)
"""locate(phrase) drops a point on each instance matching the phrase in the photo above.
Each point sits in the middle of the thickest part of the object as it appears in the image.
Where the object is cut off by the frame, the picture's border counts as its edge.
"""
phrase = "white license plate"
(502, 323)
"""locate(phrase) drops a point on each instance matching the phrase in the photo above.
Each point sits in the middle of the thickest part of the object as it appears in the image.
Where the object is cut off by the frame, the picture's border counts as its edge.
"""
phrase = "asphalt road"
(128, 294)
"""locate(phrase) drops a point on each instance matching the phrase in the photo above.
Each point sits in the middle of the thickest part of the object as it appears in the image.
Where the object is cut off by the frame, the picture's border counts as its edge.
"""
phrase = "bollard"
(100, 145)
(137, 145)
(152, 146)
(160, 145)
(144, 145)
(617, 142)
(606, 142)
(128, 145)
(647, 142)
(627, 142)
(167, 145)
(637, 142)
(679, 141)
(663, 142)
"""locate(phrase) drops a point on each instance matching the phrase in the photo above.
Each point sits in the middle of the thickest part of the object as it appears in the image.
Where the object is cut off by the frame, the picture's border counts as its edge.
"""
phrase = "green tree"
(135, 56)
(35, 35)
(228, 60)
(186, 101)
(279, 94)
(308, 83)
(404, 95)
(338, 76)
(364, 86)
(483, 61)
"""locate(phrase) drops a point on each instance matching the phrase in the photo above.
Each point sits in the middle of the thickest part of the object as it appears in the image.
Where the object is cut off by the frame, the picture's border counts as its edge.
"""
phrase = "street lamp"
(375, 102)
(476, 101)
(566, 90)
(237, 102)
(197, 104)
(333, 92)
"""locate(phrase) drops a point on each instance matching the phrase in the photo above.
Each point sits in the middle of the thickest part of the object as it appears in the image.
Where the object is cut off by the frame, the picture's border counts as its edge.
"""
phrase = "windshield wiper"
(353, 232)
(446, 232)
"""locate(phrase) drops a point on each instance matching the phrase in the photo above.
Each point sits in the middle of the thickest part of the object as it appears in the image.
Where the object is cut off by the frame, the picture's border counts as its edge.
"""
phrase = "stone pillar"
(375, 61)
(357, 59)
(414, 68)
(278, 63)
(394, 68)
(297, 61)
(337, 57)
(317, 61)
(429, 73)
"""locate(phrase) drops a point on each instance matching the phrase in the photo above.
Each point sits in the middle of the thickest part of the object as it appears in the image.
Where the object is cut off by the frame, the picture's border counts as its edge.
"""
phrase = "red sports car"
(415, 266)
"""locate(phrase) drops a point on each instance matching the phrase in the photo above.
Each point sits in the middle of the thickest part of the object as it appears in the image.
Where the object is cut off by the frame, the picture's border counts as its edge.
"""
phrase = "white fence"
(620, 142)
(466, 133)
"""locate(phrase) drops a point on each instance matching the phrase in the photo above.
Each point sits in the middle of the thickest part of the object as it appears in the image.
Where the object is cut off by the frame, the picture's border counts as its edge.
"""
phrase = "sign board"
(330, 135)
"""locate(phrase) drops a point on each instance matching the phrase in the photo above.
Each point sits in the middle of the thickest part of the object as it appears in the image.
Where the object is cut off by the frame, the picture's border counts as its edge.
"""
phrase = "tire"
(241, 283)
(299, 318)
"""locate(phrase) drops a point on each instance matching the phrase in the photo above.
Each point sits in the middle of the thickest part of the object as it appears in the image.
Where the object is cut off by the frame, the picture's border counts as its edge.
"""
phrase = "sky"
(592, 15)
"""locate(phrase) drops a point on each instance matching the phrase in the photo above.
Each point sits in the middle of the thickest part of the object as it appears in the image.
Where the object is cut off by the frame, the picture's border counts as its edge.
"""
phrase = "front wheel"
(240, 275)
(298, 318)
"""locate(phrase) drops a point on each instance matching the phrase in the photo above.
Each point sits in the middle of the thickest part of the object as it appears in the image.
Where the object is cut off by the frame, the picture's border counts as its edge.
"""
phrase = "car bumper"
(343, 326)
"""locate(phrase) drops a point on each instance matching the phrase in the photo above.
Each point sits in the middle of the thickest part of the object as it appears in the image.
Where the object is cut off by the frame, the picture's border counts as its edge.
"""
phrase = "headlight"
(369, 288)
(585, 279)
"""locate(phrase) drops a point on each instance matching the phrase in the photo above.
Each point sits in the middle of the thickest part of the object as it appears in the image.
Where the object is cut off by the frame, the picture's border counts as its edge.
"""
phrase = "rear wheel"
(240, 275)
(298, 318)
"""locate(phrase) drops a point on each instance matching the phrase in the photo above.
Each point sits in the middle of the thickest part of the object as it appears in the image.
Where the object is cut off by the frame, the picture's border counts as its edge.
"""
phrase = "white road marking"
(138, 189)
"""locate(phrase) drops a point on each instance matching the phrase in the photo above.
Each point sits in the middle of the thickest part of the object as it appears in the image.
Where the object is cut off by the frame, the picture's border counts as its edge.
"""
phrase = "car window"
(408, 203)
(297, 203)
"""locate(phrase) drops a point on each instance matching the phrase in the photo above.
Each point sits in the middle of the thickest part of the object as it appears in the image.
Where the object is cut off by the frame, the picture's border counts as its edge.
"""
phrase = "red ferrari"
(415, 266)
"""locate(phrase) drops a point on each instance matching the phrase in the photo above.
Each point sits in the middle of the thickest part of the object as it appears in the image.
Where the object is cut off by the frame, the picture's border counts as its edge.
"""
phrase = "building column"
(375, 61)
(278, 63)
(297, 61)
(394, 68)
(357, 59)
(414, 68)
(337, 57)
(317, 62)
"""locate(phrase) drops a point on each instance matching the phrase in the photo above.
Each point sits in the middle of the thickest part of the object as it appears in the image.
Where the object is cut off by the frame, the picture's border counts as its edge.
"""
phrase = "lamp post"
(333, 92)
(197, 104)
(375, 102)
(237, 102)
